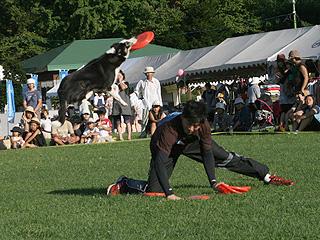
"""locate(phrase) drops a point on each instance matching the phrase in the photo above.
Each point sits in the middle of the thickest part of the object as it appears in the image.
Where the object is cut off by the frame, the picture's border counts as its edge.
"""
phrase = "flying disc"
(143, 40)
(199, 197)
(154, 194)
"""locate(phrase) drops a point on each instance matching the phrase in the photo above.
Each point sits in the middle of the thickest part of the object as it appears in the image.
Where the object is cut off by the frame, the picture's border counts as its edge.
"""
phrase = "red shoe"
(114, 189)
(276, 180)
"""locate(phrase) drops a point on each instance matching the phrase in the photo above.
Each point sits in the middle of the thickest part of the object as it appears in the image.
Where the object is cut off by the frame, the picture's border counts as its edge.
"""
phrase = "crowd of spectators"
(104, 119)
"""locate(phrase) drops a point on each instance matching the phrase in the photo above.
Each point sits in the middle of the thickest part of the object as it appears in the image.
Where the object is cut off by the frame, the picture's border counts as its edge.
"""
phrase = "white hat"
(220, 105)
(255, 80)
(156, 103)
(31, 80)
(238, 100)
(90, 120)
(149, 70)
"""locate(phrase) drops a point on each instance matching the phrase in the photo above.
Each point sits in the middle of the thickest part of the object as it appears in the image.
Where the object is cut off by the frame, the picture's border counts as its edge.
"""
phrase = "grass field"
(58, 193)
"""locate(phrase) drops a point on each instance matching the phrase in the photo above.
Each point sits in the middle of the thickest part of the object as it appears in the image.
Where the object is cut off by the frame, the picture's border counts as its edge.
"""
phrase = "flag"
(35, 77)
(63, 73)
(10, 101)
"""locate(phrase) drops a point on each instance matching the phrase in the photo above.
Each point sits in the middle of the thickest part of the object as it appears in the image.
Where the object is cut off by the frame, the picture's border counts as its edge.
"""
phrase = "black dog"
(98, 75)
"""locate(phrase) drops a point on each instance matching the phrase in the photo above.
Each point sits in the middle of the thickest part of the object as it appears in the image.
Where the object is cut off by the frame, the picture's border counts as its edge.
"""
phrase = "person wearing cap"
(32, 97)
(16, 138)
(91, 133)
(242, 119)
(155, 116)
(299, 74)
(189, 134)
(27, 115)
(149, 90)
(253, 94)
(79, 127)
(120, 111)
(34, 137)
(104, 125)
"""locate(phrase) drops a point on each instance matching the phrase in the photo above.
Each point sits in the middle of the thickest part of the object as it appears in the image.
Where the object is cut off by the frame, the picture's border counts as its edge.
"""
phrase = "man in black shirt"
(188, 133)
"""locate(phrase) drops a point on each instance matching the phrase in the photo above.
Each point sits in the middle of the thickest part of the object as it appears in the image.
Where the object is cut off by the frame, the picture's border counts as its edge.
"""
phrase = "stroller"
(264, 119)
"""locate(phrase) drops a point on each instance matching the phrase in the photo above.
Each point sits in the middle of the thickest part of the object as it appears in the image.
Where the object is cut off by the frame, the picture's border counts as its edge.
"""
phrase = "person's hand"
(173, 197)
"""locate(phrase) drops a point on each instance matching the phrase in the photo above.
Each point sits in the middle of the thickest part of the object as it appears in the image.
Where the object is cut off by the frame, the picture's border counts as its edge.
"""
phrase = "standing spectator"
(28, 114)
(16, 138)
(98, 100)
(63, 134)
(119, 110)
(286, 98)
(149, 90)
(104, 125)
(91, 133)
(32, 97)
(45, 123)
(300, 73)
(155, 115)
(34, 137)
(253, 94)
(209, 98)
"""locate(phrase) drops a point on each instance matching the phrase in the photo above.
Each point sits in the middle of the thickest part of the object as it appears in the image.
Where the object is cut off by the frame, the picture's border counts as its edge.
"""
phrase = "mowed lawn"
(58, 193)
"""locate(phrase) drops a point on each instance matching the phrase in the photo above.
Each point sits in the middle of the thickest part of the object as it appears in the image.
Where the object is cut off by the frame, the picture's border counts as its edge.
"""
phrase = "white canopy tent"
(252, 50)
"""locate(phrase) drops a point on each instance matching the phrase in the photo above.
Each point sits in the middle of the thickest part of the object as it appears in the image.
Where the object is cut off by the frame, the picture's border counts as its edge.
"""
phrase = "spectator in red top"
(104, 125)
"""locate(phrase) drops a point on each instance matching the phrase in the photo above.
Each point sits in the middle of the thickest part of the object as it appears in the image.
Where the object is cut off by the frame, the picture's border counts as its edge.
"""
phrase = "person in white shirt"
(149, 90)
(98, 100)
(45, 123)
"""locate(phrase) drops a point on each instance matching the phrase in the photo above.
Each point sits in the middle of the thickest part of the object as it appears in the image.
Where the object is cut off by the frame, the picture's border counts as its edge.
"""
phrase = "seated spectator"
(242, 118)
(34, 137)
(104, 125)
(16, 138)
(79, 128)
(292, 111)
(28, 114)
(91, 133)
(45, 122)
(220, 118)
(155, 115)
(63, 134)
(304, 119)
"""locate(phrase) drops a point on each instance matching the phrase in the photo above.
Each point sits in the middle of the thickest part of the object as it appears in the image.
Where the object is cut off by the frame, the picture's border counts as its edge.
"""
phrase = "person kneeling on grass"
(188, 133)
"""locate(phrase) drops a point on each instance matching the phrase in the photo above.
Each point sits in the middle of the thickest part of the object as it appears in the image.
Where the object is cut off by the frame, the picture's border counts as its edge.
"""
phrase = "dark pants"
(230, 161)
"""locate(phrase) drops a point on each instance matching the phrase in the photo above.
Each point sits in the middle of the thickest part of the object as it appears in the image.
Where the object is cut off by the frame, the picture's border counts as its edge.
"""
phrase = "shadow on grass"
(80, 191)
(181, 186)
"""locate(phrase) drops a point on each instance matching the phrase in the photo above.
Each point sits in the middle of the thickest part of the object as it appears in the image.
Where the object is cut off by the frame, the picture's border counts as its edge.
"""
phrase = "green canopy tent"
(79, 52)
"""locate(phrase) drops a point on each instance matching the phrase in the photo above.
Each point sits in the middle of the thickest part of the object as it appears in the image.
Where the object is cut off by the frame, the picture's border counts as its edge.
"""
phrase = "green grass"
(58, 193)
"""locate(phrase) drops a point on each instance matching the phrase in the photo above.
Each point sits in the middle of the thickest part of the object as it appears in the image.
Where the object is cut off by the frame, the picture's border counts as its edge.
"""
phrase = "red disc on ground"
(154, 194)
(199, 197)
(143, 40)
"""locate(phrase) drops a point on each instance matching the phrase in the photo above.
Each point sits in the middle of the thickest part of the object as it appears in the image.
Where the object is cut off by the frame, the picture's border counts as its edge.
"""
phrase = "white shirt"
(46, 124)
(253, 93)
(150, 91)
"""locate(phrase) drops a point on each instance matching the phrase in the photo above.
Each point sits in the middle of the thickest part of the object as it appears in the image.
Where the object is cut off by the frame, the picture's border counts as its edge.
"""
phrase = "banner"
(35, 77)
(10, 101)
(63, 73)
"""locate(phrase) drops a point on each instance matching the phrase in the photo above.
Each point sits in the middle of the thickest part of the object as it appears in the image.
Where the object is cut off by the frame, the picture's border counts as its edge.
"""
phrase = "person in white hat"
(149, 90)
(253, 94)
(32, 97)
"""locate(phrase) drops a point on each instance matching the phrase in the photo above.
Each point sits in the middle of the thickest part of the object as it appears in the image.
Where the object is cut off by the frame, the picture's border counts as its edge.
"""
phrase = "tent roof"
(167, 72)
(79, 52)
(245, 51)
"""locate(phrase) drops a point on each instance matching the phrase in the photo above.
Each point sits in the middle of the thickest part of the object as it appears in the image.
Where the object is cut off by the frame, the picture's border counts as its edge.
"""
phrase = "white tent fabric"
(308, 45)
(246, 50)
(53, 92)
(134, 67)
(167, 72)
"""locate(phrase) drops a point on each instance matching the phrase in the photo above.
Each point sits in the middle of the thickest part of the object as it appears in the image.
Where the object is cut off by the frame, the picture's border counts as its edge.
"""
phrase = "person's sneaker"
(276, 180)
(115, 188)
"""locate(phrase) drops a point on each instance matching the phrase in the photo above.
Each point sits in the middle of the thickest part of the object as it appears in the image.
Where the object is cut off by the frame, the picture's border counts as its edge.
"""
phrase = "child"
(34, 137)
(91, 133)
(104, 125)
(155, 115)
(28, 114)
(16, 138)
